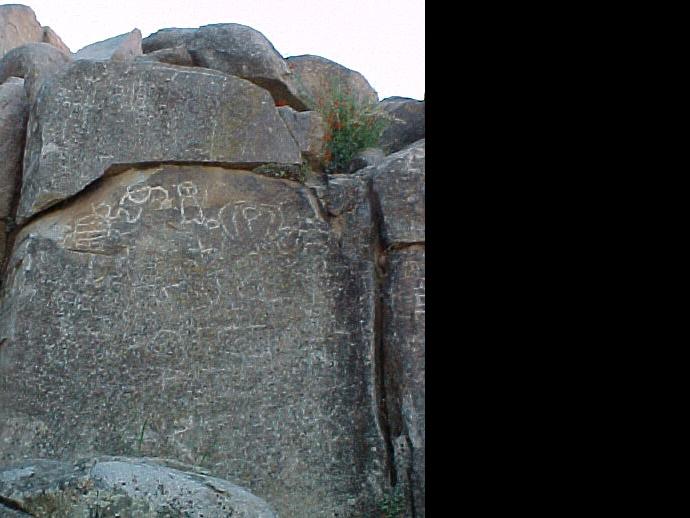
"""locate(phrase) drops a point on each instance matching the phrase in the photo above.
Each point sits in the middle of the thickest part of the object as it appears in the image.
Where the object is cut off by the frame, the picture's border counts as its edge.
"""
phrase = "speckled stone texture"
(205, 314)
(14, 112)
(121, 487)
(405, 122)
(96, 114)
(36, 63)
(234, 49)
(398, 184)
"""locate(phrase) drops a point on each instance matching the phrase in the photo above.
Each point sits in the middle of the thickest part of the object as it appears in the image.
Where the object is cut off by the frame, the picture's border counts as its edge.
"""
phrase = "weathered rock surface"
(237, 50)
(367, 157)
(119, 48)
(203, 314)
(167, 38)
(174, 56)
(97, 114)
(14, 113)
(121, 486)
(308, 129)
(399, 183)
(317, 80)
(18, 25)
(405, 122)
(404, 353)
(35, 63)
(51, 37)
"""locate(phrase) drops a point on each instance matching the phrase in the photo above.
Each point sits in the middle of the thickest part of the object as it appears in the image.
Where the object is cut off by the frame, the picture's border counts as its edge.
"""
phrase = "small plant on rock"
(392, 505)
(350, 127)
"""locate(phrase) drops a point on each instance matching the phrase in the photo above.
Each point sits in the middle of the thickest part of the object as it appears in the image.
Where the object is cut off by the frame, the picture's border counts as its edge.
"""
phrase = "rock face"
(121, 486)
(101, 113)
(14, 112)
(119, 48)
(317, 79)
(213, 310)
(405, 123)
(234, 49)
(184, 281)
(50, 37)
(399, 185)
(308, 129)
(18, 25)
(36, 63)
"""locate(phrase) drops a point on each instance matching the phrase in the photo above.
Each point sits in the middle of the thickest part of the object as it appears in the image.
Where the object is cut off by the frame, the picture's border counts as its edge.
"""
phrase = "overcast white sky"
(382, 39)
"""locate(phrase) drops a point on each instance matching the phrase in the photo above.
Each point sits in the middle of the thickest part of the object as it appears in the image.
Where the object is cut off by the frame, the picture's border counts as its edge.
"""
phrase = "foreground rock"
(18, 25)
(101, 113)
(121, 486)
(405, 123)
(398, 183)
(237, 50)
(14, 112)
(204, 314)
(35, 63)
(119, 48)
(318, 80)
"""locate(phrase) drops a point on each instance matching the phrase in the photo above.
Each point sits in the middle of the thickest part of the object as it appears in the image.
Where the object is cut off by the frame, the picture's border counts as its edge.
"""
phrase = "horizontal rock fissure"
(116, 169)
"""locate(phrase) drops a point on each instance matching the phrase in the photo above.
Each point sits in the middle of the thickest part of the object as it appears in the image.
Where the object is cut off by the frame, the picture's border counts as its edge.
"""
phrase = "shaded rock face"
(405, 123)
(18, 25)
(50, 36)
(121, 486)
(97, 114)
(203, 314)
(35, 63)
(174, 56)
(398, 183)
(234, 49)
(119, 48)
(317, 79)
(308, 129)
(14, 113)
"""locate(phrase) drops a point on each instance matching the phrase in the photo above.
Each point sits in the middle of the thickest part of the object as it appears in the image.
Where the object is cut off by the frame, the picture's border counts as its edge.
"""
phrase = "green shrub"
(392, 505)
(350, 127)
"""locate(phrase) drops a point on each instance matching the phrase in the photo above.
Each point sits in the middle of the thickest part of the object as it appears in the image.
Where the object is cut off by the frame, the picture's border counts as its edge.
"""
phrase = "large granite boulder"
(35, 63)
(398, 185)
(206, 314)
(121, 486)
(14, 113)
(319, 80)
(18, 25)
(405, 122)
(118, 48)
(237, 50)
(96, 114)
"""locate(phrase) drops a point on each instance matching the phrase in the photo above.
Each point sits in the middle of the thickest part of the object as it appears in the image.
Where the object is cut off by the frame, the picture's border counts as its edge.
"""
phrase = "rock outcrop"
(35, 63)
(234, 49)
(121, 486)
(184, 281)
(97, 114)
(319, 79)
(19, 26)
(405, 122)
(124, 47)
(14, 113)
